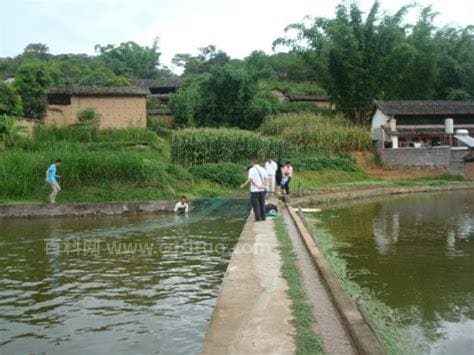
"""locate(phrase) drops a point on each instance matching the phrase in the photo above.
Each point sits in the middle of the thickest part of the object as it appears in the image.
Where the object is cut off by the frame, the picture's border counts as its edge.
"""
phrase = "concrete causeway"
(252, 314)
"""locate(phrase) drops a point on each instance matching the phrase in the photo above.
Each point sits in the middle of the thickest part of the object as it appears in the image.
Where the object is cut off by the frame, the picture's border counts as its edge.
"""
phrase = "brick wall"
(433, 157)
(116, 111)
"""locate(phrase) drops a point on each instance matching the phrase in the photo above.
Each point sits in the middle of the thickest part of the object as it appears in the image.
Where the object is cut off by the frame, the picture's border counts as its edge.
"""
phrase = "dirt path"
(330, 327)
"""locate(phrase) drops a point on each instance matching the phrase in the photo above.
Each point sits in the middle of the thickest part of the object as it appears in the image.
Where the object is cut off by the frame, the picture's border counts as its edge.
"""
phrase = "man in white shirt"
(257, 178)
(182, 206)
(271, 167)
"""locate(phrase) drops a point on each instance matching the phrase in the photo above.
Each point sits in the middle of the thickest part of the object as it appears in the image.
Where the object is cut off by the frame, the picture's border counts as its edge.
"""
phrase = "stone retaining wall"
(84, 209)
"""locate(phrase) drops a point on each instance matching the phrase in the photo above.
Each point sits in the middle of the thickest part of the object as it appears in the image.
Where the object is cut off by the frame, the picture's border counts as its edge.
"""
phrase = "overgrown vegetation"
(89, 116)
(206, 145)
(307, 342)
(226, 174)
(324, 134)
(9, 131)
(10, 101)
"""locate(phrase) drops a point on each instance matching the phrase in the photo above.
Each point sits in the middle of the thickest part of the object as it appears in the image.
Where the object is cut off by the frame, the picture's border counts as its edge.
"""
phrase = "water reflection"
(111, 284)
(416, 253)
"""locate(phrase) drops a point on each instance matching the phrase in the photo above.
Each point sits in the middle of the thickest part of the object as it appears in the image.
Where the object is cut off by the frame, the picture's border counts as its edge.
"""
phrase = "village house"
(403, 124)
(119, 107)
(321, 101)
(157, 101)
(427, 134)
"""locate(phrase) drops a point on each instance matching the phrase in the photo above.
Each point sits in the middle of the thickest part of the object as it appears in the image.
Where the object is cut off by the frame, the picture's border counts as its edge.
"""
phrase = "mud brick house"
(320, 101)
(317, 100)
(157, 101)
(119, 107)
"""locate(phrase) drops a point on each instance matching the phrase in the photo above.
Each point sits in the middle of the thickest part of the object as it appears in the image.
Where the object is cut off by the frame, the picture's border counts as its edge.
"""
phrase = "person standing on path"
(271, 167)
(257, 178)
(287, 173)
(51, 179)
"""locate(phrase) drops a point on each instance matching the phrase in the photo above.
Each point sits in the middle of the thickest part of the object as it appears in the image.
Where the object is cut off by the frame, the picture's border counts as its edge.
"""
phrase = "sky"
(183, 26)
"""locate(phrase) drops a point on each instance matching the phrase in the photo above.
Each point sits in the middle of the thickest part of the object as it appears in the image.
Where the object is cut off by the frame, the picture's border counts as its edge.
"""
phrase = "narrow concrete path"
(335, 338)
(252, 314)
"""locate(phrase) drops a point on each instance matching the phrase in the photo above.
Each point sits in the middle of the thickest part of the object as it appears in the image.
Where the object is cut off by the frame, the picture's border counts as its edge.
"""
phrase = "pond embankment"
(84, 209)
(252, 314)
(361, 192)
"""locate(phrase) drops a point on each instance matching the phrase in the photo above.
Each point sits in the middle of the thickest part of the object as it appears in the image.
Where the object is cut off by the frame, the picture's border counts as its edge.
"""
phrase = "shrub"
(31, 82)
(323, 163)
(88, 115)
(9, 132)
(228, 174)
(10, 101)
(179, 173)
(207, 145)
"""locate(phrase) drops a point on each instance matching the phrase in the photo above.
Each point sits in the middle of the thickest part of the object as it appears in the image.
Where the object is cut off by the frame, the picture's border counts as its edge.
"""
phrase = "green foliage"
(202, 63)
(132, 60)
(383, 57)
(89, 115)
(324, 134)
(318, 163)
(31, 82)
(10, 101)
(10, 133)
(102, 77)
(87, 137)
(201, 146)
(227, 96)
(22, 173)
(227, 174)
(279, 67)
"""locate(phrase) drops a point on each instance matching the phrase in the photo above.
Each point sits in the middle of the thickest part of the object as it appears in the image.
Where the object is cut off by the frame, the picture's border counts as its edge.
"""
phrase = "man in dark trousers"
(258, 179)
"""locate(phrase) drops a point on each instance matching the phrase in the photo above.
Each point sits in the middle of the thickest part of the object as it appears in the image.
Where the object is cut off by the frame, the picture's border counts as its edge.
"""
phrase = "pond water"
(416, 254)
(137, 284)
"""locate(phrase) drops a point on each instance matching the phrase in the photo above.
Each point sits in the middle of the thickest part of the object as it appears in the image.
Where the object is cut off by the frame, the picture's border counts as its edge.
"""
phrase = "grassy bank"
(307, 342)
(137, 164)
(387, 323)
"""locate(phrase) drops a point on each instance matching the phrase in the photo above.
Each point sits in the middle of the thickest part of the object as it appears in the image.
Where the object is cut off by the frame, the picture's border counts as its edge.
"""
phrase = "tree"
(31, 82)
(37, 51)
(10, 101)
(378, 56)
(202, 63)
(131, 60)
(227, 96)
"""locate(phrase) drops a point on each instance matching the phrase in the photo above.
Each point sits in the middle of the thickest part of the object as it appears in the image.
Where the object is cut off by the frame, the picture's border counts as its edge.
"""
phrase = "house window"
(59, 99)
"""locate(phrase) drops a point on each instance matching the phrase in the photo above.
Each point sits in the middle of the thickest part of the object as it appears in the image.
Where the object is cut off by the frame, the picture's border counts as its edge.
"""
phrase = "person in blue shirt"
(51, 179)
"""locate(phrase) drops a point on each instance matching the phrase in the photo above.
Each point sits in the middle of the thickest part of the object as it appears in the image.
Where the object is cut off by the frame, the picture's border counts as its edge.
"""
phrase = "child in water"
(182, 206)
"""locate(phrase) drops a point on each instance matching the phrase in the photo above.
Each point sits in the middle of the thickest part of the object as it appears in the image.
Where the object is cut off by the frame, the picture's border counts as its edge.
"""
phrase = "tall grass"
(325, 134)
(207, 145)
(86, 137)
(23, 173)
